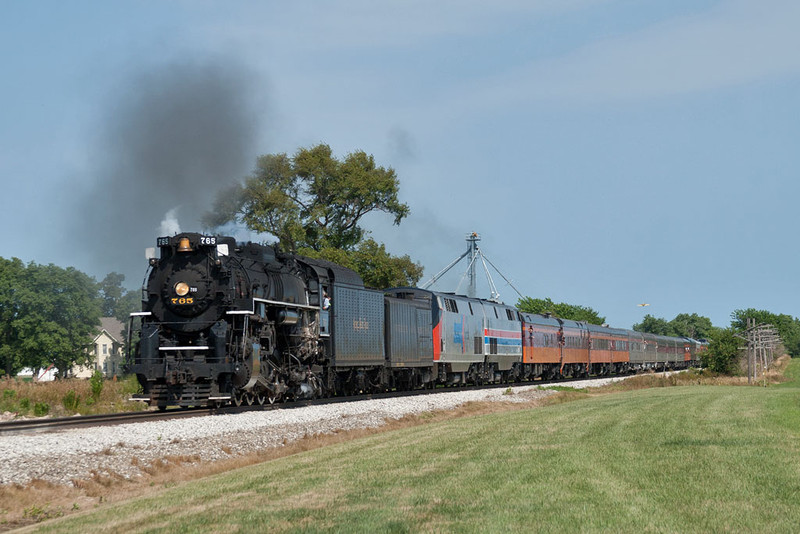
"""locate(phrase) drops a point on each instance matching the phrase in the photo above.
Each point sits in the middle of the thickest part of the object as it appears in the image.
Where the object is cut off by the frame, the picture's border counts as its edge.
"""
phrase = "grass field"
(668, 459)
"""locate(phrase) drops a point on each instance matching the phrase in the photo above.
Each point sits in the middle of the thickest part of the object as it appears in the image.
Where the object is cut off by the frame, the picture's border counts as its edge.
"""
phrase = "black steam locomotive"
(242, 323)
(223, 323)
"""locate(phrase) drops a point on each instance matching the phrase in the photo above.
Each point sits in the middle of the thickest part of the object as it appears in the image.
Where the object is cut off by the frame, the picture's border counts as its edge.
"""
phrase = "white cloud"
(735, 43)
(366, 23)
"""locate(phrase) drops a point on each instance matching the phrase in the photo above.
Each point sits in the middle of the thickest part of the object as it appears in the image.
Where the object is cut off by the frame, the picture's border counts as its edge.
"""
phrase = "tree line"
(50, 315)
(723, 349)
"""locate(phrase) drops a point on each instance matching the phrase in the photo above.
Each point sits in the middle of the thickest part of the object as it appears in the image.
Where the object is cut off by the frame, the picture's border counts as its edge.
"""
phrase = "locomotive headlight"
(181, 289)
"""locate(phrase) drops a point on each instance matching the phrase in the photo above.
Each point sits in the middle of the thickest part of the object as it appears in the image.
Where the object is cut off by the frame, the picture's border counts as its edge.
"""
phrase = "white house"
(107, 351)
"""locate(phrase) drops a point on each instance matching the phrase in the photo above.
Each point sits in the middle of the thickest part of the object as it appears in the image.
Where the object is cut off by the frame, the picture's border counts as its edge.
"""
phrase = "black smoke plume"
(172, 136)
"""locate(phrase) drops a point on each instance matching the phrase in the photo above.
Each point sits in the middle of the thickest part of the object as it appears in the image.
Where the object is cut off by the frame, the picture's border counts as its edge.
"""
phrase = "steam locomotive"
(223, 322)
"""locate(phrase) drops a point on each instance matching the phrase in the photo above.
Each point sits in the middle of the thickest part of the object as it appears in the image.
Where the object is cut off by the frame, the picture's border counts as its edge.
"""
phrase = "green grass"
(678, 459)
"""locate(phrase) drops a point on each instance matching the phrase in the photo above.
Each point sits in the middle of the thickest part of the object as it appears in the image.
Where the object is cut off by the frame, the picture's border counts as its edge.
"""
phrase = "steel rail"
(53, 424)
(44, 424)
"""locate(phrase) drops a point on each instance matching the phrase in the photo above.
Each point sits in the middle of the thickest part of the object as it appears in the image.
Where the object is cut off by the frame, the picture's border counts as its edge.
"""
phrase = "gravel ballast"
(123, 450)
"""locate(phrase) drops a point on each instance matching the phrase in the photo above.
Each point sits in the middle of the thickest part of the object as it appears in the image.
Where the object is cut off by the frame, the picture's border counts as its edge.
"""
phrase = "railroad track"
(52, 424)
(63, 423)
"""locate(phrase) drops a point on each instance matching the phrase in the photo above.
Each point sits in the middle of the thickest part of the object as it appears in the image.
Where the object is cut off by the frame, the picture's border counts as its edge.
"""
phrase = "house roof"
(111, 326)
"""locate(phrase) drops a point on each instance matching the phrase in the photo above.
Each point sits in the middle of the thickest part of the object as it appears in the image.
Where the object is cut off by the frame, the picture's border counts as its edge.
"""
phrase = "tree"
(11, 275)
(653, 325)
(723, 352)
(378, 268)
(60, 319)
(130, 302)
(693, 326)
(561, 310)
(313, 204)
(116, 300)
(311, 200)
(683, 325)
(111, 292)
(50, 316)
(788, 327)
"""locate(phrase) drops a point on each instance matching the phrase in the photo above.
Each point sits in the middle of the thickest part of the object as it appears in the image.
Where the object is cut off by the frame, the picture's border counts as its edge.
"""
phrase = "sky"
(609, 153)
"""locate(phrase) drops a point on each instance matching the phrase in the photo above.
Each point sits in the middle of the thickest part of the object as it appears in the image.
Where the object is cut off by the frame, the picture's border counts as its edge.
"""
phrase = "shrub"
(96, 383)
(8, 402)
(40, 409)
(71, 401)
(723, 353)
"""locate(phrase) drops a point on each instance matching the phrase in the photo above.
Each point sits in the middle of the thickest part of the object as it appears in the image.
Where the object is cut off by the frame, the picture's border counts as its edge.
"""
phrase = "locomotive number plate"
(183, 300)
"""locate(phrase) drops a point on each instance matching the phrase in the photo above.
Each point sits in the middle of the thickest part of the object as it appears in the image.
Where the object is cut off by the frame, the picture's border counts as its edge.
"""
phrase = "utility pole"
(751, 324)
(761, 343)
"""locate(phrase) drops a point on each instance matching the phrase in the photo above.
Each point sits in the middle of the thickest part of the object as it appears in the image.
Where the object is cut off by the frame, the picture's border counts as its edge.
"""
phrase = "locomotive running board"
(274, 302)
(188, 347)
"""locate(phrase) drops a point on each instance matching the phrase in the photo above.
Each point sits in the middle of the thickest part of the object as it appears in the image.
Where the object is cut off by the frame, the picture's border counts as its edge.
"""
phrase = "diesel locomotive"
(224, 322)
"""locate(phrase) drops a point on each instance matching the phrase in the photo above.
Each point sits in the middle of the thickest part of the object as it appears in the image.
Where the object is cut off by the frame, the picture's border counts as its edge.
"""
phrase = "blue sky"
(608, 152)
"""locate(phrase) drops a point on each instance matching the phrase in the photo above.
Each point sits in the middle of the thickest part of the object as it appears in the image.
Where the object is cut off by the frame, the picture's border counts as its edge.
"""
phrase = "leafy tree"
(683, 325)
(60, 318)
(11, 275)
(313, 204)
(111, 292)
(311, 200)
(116, 300)
(50, 316)
(130, 302)
(694, 326)
(562, 310)
(788, 327)
(653, 325)
(723, 352)
(377, 268)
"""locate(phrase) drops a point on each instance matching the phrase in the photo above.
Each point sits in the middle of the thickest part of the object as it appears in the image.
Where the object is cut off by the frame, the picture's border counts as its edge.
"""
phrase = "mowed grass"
(672, 459)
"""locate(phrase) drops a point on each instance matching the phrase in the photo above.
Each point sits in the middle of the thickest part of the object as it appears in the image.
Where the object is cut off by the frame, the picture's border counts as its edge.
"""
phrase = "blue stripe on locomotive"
(507, 341)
